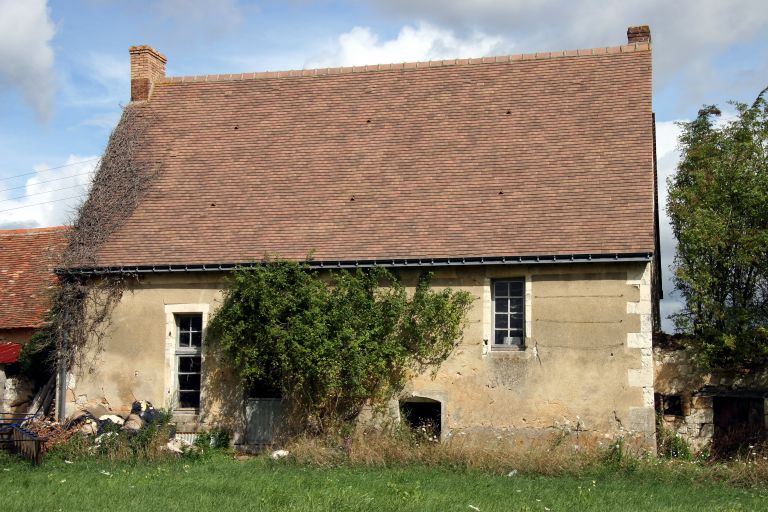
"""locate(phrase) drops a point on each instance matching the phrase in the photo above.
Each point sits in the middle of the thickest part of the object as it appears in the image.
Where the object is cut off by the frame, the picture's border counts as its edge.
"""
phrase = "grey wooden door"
(263, 417)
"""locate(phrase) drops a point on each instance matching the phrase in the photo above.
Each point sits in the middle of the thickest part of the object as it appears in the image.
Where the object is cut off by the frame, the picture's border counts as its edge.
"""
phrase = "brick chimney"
(639, 34)
(147, 67)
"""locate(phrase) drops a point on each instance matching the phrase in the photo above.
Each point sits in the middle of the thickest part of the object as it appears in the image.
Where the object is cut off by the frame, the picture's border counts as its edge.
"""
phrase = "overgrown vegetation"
(82, 307)
(37, 358)
(718, 207)
(332, 344)
(150, 443)
(670, 445)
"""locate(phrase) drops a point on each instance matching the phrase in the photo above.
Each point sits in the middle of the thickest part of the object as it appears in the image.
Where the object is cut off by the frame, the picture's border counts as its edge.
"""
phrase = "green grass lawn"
(222, 484)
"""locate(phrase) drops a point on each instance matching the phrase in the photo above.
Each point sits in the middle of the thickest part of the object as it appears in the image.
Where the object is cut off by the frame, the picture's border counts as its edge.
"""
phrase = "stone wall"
(16, 393)
(586, 369)
(692, 391)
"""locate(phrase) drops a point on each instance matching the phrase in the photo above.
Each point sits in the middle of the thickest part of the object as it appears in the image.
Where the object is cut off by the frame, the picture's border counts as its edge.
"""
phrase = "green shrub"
(670, 445)
(332, 343)
(36, 360)
(215, 438)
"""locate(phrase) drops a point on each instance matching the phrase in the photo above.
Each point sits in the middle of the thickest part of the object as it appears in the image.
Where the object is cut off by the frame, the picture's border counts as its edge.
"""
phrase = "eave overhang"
(389, 263)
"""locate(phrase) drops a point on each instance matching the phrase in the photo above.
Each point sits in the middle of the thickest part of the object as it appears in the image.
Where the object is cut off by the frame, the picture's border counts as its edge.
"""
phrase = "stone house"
(28, 258)
(527, 180)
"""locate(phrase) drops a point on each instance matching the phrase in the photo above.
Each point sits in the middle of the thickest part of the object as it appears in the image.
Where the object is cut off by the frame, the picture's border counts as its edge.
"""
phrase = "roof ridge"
(25, 231)
(585, 52)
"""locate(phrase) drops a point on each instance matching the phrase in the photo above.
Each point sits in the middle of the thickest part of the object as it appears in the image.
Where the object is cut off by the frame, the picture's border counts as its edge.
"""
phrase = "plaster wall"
(587, 367)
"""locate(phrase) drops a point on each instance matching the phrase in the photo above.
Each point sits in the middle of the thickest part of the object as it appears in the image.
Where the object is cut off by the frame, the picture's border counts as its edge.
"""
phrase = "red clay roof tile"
(27, 260)
(567, 138)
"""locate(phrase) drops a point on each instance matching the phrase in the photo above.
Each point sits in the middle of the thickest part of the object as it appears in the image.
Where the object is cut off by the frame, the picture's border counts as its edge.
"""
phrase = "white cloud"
(26, 57)
(105, 120)
(687, 34)
(422, 42)
(101, 80)
(668, 156)
(59, 190)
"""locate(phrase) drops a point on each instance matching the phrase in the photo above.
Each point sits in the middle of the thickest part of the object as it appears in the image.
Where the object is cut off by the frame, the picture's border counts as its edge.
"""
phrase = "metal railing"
(15, 438)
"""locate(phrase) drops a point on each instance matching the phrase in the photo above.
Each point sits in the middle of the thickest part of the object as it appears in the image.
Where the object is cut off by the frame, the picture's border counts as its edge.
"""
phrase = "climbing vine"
(332, 343)
(82, 305)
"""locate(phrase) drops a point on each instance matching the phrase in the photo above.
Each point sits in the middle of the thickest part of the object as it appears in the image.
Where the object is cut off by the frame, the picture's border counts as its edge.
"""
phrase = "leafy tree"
(718, 207)
(333, 342)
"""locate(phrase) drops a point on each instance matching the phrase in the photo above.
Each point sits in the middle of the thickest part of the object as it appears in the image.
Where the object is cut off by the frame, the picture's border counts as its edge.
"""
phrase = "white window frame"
(492, 340)
(489, 315)
(172, 352)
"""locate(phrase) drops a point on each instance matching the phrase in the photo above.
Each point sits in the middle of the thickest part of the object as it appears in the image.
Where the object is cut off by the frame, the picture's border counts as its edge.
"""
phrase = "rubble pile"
(102, 427)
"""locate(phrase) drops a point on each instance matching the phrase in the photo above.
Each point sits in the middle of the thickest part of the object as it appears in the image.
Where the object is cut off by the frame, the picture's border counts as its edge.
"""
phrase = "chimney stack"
(639, 34)
(147, 67)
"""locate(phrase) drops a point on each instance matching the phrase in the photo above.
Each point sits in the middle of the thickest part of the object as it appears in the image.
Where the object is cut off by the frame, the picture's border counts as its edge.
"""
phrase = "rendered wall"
(587, 368)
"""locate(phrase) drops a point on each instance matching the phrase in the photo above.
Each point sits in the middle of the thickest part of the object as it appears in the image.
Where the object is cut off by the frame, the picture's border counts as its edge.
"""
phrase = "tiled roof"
(27, 261)
(543, 154)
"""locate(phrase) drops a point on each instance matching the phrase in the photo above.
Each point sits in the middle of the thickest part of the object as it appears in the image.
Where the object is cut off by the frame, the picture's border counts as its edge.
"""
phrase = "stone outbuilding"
(718, 410)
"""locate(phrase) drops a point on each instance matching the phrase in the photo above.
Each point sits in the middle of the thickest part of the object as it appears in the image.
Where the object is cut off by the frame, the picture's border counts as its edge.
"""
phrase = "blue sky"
(64, 64)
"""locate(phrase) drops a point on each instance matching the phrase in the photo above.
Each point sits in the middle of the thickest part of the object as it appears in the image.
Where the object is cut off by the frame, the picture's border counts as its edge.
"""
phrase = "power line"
(39, 193)
(49, 169)
(46, 181)
(38, 204)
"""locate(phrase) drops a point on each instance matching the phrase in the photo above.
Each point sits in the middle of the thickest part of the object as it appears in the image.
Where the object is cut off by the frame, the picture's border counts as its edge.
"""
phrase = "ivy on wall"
(333, 343)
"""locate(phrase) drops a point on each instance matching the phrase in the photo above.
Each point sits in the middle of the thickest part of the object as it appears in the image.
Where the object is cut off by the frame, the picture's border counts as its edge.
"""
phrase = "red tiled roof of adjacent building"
(543, 154)
(9, 352)
(27, 261)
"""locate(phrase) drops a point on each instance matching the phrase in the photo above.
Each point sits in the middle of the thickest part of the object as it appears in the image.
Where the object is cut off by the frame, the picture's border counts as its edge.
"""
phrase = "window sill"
(515, 353)
(186, 420)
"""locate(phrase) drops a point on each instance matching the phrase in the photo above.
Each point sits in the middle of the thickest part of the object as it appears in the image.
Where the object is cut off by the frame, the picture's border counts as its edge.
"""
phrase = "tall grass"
(553, 457)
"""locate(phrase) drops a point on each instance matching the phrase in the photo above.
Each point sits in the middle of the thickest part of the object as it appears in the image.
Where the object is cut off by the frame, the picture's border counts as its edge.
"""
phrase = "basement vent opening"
(422, 415)
(669, 405)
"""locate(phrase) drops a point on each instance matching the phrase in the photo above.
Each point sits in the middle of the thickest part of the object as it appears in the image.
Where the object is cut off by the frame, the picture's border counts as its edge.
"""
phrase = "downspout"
(61, 375)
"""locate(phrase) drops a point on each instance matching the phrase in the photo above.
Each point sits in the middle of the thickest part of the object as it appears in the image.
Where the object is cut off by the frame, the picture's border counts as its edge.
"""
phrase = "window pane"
(502, 305)
(183, 323)
(183, 339)
(515, 338)
(189, 399)
(499, 338)
(500, 288)
(516, 288)
(189, 382)
(196, 323)
(516, 322)
(516, 305)
(502, 321)
(189, 364)
(196, 338)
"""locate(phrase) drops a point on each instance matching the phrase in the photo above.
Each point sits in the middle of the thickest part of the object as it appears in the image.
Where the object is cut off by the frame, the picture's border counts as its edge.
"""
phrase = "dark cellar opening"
(739, 422)
(422, 413)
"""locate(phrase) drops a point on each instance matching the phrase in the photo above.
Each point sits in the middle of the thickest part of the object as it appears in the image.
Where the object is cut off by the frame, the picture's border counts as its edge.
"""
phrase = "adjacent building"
(28, 258)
